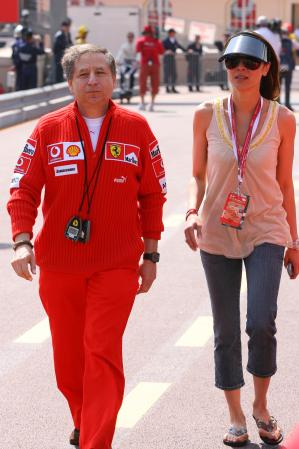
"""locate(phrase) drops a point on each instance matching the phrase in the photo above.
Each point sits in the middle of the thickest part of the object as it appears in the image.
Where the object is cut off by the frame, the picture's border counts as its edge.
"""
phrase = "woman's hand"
(292, 257)
(193, 231)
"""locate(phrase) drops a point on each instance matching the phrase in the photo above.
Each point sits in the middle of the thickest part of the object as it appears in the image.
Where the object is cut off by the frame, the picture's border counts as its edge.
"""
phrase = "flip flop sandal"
(236, 432)
(271, 426)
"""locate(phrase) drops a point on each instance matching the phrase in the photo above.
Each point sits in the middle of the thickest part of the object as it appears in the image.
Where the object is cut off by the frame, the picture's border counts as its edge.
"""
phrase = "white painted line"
(174, 220)
(37, 334)
(198, 333)
(137, 403)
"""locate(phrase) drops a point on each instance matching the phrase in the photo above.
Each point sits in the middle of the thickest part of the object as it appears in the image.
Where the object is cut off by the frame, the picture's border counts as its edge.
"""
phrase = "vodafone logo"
(55, 153)
(158, 167)
(22, 165)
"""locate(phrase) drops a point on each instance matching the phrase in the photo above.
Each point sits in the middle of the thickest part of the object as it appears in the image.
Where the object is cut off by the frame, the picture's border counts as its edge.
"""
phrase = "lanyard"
(96, 171)
(242, 153)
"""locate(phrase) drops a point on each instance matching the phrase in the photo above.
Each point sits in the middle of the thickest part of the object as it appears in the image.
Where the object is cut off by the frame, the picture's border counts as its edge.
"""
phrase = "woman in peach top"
(243, 150)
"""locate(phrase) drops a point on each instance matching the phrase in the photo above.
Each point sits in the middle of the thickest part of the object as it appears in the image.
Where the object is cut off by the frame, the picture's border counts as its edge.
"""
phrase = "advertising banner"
(177, 24)
(206, 32)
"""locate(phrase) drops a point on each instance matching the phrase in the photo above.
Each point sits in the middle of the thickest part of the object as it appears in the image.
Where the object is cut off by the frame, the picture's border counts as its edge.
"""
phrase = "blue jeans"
(263, 271)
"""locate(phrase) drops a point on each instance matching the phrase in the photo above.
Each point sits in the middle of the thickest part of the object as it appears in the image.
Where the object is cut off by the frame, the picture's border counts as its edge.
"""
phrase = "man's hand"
(148, 273)
(24, 256)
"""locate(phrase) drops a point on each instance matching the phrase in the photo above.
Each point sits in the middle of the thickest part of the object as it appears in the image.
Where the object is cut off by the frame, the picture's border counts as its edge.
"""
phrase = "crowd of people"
(148, 48)
(144, 55)
(28, 46)
(132, 55)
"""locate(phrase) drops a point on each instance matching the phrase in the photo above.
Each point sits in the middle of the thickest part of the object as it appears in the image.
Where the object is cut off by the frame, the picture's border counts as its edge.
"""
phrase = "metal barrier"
(213, 73)
(18, 107)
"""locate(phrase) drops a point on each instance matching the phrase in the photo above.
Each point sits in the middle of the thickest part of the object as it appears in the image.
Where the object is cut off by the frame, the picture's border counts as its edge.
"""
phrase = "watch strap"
(21, 243)
(153, 257)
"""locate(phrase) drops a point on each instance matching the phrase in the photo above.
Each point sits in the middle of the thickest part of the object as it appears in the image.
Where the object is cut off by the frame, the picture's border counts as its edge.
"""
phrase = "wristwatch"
(153, 257)
(16, 245)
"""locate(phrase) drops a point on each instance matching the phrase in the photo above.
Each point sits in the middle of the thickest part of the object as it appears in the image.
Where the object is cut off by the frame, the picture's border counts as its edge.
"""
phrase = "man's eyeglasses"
(249, 63)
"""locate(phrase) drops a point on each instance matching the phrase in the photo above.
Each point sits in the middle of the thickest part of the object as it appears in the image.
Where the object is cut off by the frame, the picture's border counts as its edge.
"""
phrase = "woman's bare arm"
(287, 129)
(197, 185)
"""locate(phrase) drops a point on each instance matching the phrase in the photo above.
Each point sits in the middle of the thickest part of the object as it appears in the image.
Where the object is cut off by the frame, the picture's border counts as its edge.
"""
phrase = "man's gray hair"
(72, 54)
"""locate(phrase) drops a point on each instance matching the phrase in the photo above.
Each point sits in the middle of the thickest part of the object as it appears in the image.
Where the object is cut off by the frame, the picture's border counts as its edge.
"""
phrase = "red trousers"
(152, 71)
(88, 314)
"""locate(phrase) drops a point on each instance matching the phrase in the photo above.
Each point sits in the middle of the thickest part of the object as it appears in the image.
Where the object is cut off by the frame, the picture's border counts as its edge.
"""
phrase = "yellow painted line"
(198, 333)
(174, 220)
(137, 403)
(37, 334)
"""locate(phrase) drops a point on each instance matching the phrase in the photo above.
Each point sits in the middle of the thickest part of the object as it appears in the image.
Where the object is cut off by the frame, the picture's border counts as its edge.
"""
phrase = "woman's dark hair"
(270, 84)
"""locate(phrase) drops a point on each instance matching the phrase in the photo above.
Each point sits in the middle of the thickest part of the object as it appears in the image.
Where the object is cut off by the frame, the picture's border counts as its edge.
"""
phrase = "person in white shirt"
(263, 29)
(126, 60)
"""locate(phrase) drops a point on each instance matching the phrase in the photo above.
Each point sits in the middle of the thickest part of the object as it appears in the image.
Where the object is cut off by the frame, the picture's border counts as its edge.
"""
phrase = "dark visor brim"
(246, 45)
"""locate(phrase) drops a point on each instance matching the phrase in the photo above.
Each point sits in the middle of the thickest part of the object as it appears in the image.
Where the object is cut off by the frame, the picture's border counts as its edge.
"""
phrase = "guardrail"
(18, 107)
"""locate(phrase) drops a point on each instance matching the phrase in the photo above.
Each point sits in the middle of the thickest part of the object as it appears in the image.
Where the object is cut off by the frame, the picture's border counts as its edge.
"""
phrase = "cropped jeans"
(263, 271)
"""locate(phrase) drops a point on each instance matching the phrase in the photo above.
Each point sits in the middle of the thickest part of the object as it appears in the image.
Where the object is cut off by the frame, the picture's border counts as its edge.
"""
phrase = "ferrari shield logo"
(115, 150)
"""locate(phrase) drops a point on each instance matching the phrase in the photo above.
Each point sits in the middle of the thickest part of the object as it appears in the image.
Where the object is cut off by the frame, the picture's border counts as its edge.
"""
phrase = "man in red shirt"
(104, 181)
(149, 48)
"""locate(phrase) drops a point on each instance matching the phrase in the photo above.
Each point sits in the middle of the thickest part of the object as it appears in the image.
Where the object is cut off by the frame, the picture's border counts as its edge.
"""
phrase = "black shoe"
(74, 437)
(197, 88)
(174, 90)
(168, 89)
(190, 88)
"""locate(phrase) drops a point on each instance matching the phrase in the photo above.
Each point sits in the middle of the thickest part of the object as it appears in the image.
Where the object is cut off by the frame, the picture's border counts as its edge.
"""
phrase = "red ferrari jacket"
(150, 49)
(128, 196)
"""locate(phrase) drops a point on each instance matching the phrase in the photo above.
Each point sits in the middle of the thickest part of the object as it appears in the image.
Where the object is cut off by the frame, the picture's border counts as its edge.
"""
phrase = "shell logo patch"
(115, 150)
(73, 150)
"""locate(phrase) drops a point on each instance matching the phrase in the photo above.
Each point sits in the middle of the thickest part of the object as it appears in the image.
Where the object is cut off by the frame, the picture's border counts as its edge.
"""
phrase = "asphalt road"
(170, 400)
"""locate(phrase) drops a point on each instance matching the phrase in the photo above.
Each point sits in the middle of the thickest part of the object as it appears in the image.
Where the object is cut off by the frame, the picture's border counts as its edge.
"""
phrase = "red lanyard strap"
(241, 153)
(96, 172)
